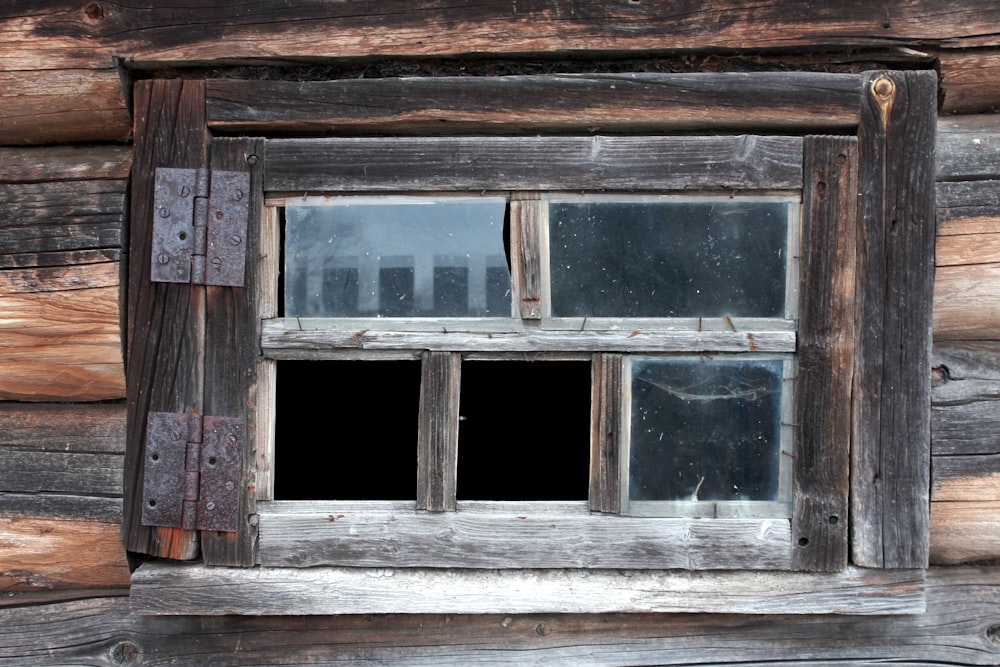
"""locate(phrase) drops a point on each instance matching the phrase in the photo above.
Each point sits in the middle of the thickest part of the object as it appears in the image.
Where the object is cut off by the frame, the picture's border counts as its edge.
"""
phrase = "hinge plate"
(200, 221)
(193, 469)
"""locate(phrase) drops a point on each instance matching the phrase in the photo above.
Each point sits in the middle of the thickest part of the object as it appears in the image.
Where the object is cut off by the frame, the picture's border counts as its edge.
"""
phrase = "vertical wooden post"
(605, 432)
(891, 449)
(825, 354)
(166, 322)
(526, 267)
(437, 449)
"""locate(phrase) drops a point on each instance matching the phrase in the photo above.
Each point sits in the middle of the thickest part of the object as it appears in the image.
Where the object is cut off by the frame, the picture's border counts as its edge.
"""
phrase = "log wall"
(65, 79)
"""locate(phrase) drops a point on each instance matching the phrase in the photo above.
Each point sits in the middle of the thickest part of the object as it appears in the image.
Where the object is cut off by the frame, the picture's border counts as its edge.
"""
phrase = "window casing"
(864, 292)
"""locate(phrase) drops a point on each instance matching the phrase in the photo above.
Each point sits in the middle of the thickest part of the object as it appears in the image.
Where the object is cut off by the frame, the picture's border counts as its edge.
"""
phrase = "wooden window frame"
(865, 311)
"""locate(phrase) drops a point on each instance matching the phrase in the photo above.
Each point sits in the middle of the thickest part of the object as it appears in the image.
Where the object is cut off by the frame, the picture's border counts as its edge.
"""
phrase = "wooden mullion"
(525, 253)
(232, 342)
(437, 435)
(165, 321)
(891, 449)
(606, 433)
(825, 354)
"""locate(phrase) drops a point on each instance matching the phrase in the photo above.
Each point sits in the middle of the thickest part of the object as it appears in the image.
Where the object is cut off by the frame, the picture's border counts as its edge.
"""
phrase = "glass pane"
(705, 430)
(656, 257)
(396, 257)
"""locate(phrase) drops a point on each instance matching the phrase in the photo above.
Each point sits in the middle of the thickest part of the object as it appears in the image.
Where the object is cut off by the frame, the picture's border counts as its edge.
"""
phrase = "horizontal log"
(967, 478)
(970, 80)
(643, 102)
(968, 249)
(954, 629)
(968, 148)
(176, 590)
(60, 338)
(533, 163)
(148, 33)
(282, 339)
(499, 535)
(64, 163)
(60, 472)
(964, 532)
(46, 554)
(61, 105)
(965, 419)
(63, 428)
(967, 302)
(106, 509)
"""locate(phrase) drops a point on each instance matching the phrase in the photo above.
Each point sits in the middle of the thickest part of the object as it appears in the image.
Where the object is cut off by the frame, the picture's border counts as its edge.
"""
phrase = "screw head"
(236, 239)
(164, 212)
(210, 506)
(163, 258)
(217, 262)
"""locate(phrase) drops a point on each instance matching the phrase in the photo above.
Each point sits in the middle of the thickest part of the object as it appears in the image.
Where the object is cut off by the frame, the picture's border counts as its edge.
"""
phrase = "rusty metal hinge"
(200, 220)
(192, 474)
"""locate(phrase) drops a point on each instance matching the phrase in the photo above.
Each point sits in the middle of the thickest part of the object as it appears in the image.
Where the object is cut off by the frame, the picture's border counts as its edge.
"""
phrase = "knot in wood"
(883, 87)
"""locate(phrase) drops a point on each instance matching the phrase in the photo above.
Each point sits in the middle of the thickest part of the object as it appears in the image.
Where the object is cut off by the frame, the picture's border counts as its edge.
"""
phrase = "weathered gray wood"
(60, 472)
(825, 354)
(954, 629)
(163, 589)
(232, 332)
(283, 339)
(165, 322)
(606, 434)
(891, 449)
(968, 148)
(637, 102)
(106, 509)
(533, 163)
(437, 432)
(63, 428)
(966, 390)
(969, 80)
(526, 261)
(499, 535)
(966, 478)
(64, 163)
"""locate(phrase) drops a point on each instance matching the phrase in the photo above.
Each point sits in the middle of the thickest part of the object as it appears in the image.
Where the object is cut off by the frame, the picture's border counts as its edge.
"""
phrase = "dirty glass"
(663, 257)
(705, 429)
(396, 257)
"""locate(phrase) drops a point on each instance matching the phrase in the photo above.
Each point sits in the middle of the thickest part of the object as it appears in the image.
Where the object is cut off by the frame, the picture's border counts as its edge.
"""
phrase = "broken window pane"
(667, 257)
(706, 429)
(396, 257)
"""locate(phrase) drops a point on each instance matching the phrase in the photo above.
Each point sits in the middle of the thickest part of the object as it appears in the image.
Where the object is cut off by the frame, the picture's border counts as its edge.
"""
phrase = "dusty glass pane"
(667, 258)
(705, 429)
(396, 257)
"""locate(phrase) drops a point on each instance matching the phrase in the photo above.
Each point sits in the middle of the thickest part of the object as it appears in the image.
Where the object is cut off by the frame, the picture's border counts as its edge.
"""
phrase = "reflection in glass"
(705, 429)
(661, 257)
(396, 257)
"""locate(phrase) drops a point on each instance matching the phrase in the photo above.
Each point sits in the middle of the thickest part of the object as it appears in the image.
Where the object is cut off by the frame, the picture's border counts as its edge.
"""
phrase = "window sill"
(192, 589)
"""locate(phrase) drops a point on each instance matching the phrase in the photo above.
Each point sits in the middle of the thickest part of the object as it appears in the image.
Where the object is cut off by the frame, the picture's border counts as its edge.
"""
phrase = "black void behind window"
(524, 430)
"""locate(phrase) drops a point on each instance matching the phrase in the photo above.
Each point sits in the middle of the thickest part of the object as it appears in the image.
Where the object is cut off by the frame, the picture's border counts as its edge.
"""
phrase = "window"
(599, 351)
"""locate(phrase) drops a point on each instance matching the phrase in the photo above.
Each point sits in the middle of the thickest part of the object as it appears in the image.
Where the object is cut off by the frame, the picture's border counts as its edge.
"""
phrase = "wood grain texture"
(533, 163)
(526, 261)
(148, 33)
(437, 431)
(965, 416)
(232, 335)
(72, 105)
(964, 532)
(165, 322)
(606, 432)
(64, 163)
(955, 629)
(639, 102)
(825, 354)
(969, 79)
(891, 446)
(500, 535)
(47, 554)
(968, 148)
(162, 589)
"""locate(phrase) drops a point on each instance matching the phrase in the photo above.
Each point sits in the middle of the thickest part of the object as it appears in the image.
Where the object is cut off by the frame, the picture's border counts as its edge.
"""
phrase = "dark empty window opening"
(346, 430)
(524, 430)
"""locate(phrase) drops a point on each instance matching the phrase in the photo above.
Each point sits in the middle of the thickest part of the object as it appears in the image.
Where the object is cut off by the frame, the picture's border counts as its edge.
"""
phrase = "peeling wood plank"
(638, 102)
(967, 302)
(46, 554)
(966, 479)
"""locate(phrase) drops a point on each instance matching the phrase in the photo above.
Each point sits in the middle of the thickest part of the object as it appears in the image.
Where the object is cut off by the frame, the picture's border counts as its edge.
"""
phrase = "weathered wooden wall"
(62, 213)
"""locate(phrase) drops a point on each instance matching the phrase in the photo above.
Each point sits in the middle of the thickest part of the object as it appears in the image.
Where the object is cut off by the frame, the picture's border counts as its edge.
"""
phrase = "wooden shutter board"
(891, 449)
(825, 354)
(606, 432)
(232, 341)
(165, 325)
